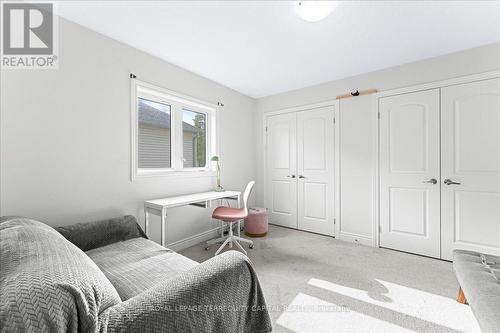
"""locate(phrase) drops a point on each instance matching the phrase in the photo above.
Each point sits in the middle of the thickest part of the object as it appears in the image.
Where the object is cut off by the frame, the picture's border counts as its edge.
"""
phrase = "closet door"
(281, 169)
(470, 120)
(409, 173)
(315, 151)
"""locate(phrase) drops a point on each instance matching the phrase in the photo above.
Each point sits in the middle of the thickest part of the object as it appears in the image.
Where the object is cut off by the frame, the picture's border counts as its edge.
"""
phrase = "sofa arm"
(480, 288)
(91, 235)
(220, 295)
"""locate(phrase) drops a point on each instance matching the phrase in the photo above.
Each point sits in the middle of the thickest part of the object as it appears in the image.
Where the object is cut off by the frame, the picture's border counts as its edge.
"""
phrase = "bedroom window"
(154, 135)
(172, 134)
(194, 139)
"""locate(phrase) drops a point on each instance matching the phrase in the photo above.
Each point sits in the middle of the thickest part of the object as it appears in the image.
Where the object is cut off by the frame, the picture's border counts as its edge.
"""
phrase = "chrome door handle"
(431, 181)
(450, 182)
(290, 176)
(301, 177)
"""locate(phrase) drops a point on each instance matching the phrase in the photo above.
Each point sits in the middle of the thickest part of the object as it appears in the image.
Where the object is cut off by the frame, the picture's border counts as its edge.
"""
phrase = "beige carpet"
(315, 283)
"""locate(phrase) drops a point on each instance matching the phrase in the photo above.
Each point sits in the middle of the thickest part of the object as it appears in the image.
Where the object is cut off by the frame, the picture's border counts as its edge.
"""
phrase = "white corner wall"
(357, 145)
(65, 137)
(472, 61)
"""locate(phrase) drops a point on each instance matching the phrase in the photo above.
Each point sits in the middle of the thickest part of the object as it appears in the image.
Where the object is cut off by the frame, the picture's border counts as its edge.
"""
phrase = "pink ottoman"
(256, 222)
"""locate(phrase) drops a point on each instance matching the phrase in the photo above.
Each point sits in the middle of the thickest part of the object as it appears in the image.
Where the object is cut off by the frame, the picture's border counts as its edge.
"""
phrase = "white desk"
(159, 206)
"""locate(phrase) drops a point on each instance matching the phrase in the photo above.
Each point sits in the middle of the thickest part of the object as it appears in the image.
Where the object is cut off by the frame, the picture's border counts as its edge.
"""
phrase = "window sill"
(194, 173)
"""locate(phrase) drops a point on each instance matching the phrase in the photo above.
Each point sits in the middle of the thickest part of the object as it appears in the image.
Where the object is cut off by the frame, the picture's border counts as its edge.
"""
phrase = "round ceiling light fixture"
(314, 11)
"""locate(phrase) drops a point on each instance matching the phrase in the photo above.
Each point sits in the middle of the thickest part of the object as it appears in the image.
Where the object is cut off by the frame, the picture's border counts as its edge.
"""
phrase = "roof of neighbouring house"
(154, 117)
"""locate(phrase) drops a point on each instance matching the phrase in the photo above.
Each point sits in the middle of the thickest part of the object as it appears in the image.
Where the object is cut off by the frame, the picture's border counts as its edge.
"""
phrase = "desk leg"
(163, 222)
(146, 221)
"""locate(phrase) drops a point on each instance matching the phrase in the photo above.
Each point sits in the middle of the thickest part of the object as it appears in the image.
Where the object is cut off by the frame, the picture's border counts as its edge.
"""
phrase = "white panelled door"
(315, 148)
(410, 173)
(299, 170)
(281, 170)
(470, 148)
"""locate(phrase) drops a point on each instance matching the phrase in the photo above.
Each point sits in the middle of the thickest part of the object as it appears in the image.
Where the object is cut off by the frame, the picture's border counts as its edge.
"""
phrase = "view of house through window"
(172, 133)
(194, 139)
(154, 135)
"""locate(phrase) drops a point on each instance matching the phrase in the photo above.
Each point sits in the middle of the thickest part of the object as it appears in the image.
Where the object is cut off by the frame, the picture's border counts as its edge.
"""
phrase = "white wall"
(477, 60)
(65, 136)
(357, 144)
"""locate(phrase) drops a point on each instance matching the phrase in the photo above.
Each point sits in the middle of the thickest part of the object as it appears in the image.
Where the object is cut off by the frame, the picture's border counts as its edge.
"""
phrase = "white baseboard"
(355, 238)
(193, 240)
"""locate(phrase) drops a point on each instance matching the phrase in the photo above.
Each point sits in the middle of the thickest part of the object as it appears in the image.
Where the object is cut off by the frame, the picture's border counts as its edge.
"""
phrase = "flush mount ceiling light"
(314, 11)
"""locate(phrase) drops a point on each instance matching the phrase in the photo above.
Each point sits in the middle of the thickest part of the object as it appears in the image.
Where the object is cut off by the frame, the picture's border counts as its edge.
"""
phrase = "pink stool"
(256, 222)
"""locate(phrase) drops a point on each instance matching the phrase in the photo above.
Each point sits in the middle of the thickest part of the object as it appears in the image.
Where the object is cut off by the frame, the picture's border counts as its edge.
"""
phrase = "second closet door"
(470, 197)
(315, 170)
(409, 173)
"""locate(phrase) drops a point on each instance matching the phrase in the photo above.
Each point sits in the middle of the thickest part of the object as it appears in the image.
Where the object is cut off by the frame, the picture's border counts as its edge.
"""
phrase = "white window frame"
(178, 103)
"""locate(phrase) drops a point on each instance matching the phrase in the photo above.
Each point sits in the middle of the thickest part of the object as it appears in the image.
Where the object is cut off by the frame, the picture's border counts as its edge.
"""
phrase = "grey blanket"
(220, 295)
(91, 235)
(47, 284)
(135, 265)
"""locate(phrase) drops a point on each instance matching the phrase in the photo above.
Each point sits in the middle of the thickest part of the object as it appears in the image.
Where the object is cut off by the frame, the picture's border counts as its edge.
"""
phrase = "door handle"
(301, 177)
(450, 182)
(290, 176)
(431, 181)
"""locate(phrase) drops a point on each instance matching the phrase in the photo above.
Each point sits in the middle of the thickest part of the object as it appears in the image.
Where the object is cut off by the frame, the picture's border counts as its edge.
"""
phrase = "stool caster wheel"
(207, 248)
(250, 246)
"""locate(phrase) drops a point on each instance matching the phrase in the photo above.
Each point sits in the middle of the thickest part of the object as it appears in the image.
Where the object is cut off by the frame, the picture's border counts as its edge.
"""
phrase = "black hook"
(132, 76)
(356, 93)
(220, 104)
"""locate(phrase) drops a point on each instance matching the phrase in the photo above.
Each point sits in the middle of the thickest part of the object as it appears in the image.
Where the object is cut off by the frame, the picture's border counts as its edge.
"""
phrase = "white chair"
(231, 216)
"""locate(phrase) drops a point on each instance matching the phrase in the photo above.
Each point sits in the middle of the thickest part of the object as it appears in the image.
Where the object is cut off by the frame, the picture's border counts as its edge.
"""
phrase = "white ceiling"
(263, 48)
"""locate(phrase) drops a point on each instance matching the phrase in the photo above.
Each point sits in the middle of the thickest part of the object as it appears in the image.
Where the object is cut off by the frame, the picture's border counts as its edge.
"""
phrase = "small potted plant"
(218, 188)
